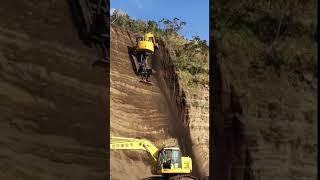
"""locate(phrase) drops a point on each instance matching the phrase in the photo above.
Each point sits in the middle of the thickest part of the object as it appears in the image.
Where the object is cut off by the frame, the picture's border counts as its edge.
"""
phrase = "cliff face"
(191, 119)
(52, 100)
(137, 110)
(158, 112)
(264, 90)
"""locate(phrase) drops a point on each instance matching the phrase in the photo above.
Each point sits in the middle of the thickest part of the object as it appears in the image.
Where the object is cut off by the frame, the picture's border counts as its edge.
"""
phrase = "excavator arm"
(120, 143)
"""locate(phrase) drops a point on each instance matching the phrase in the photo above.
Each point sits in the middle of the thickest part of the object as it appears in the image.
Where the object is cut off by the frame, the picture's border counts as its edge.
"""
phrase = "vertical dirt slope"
(52, 101)
(192, 111)
(139, 110)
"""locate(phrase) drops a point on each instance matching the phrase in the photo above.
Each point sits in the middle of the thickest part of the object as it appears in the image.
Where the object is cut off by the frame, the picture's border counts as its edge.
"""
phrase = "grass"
(269, 36)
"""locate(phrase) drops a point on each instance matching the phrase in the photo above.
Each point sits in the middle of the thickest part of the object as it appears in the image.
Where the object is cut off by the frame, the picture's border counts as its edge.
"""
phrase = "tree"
(172, 26)
(119, 17)
(152, 26)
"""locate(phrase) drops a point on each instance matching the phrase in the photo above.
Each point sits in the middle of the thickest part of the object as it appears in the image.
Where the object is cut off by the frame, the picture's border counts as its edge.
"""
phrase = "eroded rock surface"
(159, 112)
(52, 100)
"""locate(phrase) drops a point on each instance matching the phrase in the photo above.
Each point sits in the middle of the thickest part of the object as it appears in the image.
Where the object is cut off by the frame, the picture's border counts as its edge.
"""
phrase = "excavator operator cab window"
(176, 158)
(170, 158)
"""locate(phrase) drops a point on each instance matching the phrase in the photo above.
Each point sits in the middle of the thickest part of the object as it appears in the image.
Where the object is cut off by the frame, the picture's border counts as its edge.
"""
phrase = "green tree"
(172, 26)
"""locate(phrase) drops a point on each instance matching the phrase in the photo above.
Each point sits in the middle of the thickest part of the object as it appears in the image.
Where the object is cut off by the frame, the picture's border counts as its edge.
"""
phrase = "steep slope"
(191, 104)
(199, 128)
(159, 112)
(52, 101)
(137, 110)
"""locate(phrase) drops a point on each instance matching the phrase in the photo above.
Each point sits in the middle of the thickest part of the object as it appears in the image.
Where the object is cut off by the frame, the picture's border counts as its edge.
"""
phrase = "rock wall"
(137, 110)
(264, 93)
(193, 135)
(53, 102)
(132, 103)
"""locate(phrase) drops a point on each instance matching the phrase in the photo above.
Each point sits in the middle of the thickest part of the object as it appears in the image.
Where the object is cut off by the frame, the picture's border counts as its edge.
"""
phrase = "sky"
(194, 12)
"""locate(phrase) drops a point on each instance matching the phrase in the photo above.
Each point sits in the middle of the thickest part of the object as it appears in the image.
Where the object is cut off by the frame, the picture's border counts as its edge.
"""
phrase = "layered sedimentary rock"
(52, 100)
(158, 112)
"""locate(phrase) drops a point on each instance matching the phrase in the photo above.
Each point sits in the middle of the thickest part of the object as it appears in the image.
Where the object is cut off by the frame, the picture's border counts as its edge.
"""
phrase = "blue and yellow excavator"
(142, 54)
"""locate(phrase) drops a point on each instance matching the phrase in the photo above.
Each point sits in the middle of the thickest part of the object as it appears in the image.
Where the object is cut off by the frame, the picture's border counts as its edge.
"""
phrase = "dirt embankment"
(264, 90)
(158, 112)
(52, 100)
(267, 133)
(137, 110)
(191, 122)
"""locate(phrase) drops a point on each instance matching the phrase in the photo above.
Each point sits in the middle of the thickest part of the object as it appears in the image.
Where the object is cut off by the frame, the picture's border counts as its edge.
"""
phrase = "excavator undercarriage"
(141, 64)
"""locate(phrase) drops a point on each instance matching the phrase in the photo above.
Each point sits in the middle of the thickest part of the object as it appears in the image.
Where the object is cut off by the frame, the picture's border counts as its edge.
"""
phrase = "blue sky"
(194, 12)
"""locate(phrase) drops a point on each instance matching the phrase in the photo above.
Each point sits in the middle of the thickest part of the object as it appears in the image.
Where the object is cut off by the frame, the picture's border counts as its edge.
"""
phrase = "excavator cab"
(169, 158)
(171, 161)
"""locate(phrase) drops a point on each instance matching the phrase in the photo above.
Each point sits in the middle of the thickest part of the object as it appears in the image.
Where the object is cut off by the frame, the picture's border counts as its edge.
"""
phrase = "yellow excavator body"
(146, 43)
(174, 163)
(147, 46)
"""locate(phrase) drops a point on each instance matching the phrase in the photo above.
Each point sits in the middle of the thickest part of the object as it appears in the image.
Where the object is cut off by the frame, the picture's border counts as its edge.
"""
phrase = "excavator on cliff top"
(167, 161)
(141, 55)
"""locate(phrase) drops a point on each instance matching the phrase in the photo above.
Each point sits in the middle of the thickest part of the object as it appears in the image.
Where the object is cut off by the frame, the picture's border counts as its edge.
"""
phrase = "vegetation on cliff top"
(191, 57)
(268, 36)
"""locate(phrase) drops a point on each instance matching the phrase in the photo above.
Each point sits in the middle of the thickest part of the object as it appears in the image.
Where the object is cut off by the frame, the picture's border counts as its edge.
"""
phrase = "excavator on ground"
(141, 55)
(168, 162)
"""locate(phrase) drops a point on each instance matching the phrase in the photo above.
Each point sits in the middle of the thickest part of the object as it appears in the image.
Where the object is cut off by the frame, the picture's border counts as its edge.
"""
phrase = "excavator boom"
(134, 144)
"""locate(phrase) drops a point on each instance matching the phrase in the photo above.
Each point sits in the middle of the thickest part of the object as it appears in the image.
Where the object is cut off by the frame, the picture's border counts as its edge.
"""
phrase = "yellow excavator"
(144, 48)
(167, 161)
